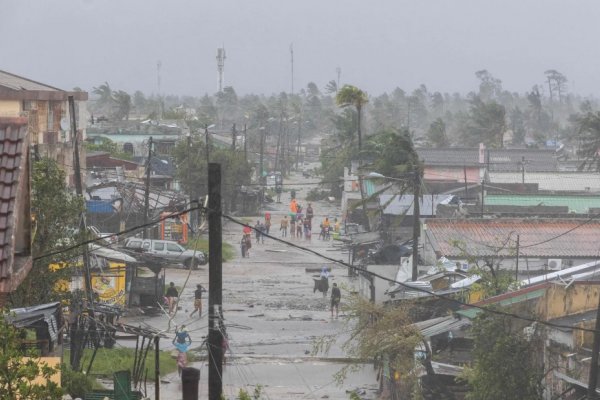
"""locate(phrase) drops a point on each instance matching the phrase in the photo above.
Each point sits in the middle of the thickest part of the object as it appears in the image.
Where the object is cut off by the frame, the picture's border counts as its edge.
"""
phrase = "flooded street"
(272, 316)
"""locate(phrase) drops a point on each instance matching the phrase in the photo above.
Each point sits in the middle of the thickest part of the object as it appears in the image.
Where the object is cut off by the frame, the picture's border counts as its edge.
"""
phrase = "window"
(174, 247)
(146, 246)
(134, 244)
(159, 246)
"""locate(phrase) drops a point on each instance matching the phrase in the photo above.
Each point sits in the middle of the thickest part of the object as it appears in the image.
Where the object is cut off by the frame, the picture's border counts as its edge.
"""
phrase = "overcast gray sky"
(378, 44)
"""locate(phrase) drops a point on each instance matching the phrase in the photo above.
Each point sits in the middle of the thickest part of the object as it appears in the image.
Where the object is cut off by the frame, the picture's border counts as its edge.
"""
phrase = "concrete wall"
(10, 108)
(381, 285)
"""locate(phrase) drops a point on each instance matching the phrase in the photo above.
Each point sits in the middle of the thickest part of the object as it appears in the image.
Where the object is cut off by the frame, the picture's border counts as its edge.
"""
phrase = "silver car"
(168, 250)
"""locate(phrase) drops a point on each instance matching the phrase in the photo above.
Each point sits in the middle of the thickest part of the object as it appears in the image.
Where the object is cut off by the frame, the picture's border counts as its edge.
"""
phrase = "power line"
(340, 262)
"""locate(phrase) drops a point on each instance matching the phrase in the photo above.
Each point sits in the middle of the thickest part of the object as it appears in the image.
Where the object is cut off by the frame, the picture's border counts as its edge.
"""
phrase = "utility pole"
(207, 144)
(157, 368)
(466, 187)
(79, 189)
(262, 152)
(147, 191)
(416, 223)
(517, 263)
(233, 137)
(245, 144)
(593, 378)
(482, 196)
(77, 332)
(215, 282)
(298, 146)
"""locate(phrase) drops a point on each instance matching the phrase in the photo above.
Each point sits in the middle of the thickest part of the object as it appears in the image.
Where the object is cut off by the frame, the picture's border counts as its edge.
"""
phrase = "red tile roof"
(572, 238)
(13, 152)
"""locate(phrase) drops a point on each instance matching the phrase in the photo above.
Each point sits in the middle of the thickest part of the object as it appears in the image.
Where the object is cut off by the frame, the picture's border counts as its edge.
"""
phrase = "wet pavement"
(272, 316)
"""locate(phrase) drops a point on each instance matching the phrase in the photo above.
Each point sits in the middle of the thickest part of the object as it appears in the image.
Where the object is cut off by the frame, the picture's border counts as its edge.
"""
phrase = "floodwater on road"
(272, 316)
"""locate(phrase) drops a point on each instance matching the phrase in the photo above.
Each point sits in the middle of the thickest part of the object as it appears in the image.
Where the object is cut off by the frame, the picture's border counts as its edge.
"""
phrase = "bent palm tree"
(352, 96)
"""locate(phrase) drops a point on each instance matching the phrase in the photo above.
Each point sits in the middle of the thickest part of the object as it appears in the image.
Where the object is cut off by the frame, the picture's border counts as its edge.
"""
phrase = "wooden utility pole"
(416, 222)
(262, 153)
(147, 191)
(215, 282)
(593, 378)
(298, 146)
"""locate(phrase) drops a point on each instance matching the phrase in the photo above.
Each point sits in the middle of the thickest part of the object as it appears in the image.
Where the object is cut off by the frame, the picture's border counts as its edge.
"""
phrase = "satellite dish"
(64, 124)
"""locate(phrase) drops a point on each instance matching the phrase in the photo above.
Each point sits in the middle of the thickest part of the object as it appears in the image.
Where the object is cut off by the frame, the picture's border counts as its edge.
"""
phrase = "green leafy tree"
(17, 374)
(122, 101)
(505, 365)
(391, 153)
(436, 135)
(348, 96)
(109, 146)
(104, 92)
(487, 123)
(588, 127)
(56, 212)
(377, 332)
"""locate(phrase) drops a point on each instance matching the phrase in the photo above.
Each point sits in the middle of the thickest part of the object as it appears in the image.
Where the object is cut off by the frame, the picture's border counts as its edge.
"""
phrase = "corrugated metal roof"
(567, 238)
(578, 204)
(552, 181)
(436, 326)
(399, 205)
(15, 82)
(12, 150)
(499, 159)
(504, 300)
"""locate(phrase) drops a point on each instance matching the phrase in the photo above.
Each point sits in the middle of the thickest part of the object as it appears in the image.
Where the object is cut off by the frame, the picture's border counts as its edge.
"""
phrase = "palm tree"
(352, 96)
(104, 92)
(123, 101)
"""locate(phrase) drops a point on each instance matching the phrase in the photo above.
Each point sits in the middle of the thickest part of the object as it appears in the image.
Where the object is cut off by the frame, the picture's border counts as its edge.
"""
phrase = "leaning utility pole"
(416, 223)
(79, 189)
(215, 282)
(147, 191)
(233, 137)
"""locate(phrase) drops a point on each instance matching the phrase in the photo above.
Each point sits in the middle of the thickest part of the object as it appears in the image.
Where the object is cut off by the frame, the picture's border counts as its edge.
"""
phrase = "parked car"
(168, 250)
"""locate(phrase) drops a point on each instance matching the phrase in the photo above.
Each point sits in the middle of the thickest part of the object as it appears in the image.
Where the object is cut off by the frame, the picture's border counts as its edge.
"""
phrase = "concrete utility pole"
(147, 191)
(220, 68)
(416, 223)
(157, 368)
(215, 282)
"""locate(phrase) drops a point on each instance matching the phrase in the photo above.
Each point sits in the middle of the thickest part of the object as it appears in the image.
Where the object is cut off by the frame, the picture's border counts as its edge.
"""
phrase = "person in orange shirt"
(293, 206)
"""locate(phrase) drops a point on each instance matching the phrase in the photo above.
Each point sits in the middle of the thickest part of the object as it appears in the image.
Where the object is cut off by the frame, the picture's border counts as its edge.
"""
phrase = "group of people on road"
(299, 223)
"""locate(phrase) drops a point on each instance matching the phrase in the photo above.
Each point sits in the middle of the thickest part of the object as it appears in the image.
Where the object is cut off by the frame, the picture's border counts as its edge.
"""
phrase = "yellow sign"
(109, 286)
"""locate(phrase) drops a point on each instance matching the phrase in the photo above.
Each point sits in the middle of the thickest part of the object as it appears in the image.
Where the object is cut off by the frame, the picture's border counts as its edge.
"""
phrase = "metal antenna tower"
(292, 60)
(158, 66)
(220, 67)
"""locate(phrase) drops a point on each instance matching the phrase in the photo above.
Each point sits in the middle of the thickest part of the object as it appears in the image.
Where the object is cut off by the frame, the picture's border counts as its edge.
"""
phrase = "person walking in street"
(293, 225)
(172, 295)
(248, 238)
(182, 342)
(263, 232)
(267, 222)
(283, 227)
(309, 213)
(257, 231)
(198, 300)
(243, 246)
(307, 229)
(299, 228)
(336, 296)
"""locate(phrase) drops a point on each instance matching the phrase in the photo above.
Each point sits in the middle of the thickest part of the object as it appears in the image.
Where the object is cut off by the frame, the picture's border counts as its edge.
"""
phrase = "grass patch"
(110, 360)
(202, 244)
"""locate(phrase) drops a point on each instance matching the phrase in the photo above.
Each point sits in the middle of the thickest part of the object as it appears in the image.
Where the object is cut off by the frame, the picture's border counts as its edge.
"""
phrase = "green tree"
(109, 146)
(123, 104)
(436, 135)
(588, 128)
(377, 332)
(105, 95)
(487, 123)
(391, 153)
(505, 365)
(17, 374)
(56, 212)
(348, 96)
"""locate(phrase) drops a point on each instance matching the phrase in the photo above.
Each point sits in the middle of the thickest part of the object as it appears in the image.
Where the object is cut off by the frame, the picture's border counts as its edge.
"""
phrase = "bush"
(315, 194)
(74, 383)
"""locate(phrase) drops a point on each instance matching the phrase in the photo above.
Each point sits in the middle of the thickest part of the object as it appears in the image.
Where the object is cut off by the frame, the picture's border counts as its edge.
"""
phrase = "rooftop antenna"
(220, 67)
(292, 60)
